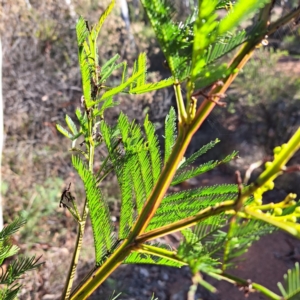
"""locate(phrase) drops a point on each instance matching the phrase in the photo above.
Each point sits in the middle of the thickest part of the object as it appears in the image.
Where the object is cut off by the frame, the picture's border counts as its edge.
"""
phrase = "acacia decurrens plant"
(12, 271)
(192, 50)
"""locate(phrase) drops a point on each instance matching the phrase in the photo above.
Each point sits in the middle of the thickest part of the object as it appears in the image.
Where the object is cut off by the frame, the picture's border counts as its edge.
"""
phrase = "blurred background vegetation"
(41, 83)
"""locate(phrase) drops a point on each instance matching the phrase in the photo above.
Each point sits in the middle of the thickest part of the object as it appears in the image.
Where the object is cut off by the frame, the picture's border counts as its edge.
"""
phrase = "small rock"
(144, 272)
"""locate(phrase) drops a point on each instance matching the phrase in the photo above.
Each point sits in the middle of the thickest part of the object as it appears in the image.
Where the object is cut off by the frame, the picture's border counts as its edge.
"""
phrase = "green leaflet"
(179, 205)
(224, 4)
(198, 153)
(140, 64)
(152, 86)
(82, 31)
(108, 68)
(12, 228)
(127, 216)
(63, 131)
(72, 136)
(207, 227)
(111, 62)
(86, 74)
(7, 251)
(183, 174)
(196, 255)
(175, 39)
(71, 125)
(204, 34)
(96, 29)
(99, 211)
(108, 103)
(204, 251)
(170, 133)
(88, 57)
(121, 87)
(137, 166)
(291, 291)
(112, 141)
(84, 54)
(142, 258)
(242, 9)
(224, 45)
(154, 151)
(243, 233)
(11, 293)
(138, 162)
(17, 268)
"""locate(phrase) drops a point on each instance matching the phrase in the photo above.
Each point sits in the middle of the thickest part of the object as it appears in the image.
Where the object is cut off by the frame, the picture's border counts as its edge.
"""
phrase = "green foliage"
(292, 284)
(175, 39)
(144, 174)
(101, 222)
(170, 133)
(188, 172)
(15, 269)
(184, 204)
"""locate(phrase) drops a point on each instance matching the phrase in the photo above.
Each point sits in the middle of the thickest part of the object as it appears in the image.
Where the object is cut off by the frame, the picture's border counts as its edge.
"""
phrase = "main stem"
(73, 266)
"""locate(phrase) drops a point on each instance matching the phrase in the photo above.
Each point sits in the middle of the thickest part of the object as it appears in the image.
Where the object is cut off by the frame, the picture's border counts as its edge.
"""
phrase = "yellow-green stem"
(81, 227)
(163, 253)
(87, 287)
(256, 286)
(182, 114)
(163, 182)
(187, 222)
(75, 258)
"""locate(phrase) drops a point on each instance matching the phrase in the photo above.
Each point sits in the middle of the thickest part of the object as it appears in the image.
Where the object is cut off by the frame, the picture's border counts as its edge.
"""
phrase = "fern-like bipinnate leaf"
(175, 39)
(153, 147)
(17, 268)
(224, 45)
(137, 166)
(64, 131)
(241, 10)
(144, 258)
(7, 251)
(195, 255)
(12, 228)
(243, 234)
(185, 173)
(84, 56)
(170, 133)
(99, 211)
(96, 29)
(291, 291)
(108, 68)
(197, 154)
(71, 125)
(204, 34)
(10, 293)
(209, 226)
(140, 71)
(184, 204)
(149, 87)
